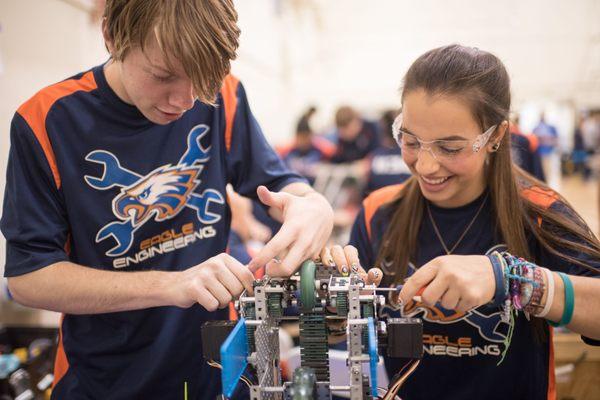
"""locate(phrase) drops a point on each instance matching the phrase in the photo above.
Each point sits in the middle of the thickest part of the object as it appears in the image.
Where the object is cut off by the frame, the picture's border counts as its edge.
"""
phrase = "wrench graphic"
(114, 174)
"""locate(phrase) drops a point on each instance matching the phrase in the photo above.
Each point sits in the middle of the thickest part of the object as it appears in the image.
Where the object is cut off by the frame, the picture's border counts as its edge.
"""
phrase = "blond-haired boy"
(115, 209)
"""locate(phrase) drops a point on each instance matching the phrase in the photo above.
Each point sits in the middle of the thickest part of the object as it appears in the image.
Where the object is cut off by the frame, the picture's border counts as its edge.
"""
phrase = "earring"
(496, 146)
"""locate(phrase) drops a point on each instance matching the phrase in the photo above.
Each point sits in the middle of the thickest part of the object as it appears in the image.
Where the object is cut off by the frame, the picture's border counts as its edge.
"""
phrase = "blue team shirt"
(461, 350)
(91, 181)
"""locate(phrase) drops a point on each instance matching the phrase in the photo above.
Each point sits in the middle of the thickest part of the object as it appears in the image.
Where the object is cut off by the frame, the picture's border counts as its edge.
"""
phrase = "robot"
(325, 299)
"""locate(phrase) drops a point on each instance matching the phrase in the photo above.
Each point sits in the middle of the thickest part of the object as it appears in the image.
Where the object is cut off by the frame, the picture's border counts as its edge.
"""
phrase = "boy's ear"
(108, 42)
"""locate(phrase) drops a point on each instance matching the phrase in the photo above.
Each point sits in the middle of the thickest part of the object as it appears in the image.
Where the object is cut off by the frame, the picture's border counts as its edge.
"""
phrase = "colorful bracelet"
(527, 288)
(499, 293)
(549, 291)
(535, 301)
(569, 302)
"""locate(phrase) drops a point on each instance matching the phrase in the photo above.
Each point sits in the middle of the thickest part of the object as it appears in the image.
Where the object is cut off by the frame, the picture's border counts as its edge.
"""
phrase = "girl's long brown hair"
(480, 78)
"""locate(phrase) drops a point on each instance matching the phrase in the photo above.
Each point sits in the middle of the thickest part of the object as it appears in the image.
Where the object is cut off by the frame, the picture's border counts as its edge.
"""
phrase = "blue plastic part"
(373, 355)
(234, 357)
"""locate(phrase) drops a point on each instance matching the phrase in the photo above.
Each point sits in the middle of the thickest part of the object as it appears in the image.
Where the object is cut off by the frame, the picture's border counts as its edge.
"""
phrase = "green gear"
(274, 304)
(341, 304)
(250, 313)
(367, 311)
(313, 345)
(307, 286)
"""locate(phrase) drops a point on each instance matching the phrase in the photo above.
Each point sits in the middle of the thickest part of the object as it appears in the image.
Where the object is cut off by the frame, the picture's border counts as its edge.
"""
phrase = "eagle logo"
(162, 194)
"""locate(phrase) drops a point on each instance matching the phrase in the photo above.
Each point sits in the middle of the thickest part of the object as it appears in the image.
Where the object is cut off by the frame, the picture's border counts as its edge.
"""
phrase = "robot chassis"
(323, 297)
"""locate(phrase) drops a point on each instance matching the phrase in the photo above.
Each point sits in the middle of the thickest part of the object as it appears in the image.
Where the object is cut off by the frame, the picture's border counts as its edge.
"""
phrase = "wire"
(401, 370)
(391, 394)
(215, 364)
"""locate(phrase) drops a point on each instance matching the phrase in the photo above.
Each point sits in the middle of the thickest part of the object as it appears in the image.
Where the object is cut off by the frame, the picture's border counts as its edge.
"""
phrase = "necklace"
(437, 231)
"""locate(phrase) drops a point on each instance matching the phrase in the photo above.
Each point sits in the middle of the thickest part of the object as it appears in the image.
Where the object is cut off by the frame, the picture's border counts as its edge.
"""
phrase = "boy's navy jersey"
(92, 181)
(524, 152)
(462, 350)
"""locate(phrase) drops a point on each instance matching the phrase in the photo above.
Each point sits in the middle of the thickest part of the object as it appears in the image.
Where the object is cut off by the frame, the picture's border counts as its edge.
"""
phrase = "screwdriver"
(398, 288)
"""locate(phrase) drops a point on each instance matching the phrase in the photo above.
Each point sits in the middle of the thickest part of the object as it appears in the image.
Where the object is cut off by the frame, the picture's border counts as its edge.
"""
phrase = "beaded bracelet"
(527, 288)
(534, 304)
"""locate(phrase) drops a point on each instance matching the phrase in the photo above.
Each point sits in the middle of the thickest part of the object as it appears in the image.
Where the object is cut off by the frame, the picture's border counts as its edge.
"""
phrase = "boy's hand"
(213, 283)
(307, 224)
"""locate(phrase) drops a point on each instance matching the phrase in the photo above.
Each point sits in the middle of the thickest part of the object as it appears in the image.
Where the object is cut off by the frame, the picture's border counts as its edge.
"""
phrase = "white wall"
(322, 52)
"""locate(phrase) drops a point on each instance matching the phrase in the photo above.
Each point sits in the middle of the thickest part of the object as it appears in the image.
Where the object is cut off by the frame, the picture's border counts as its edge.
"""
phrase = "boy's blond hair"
(201, 34)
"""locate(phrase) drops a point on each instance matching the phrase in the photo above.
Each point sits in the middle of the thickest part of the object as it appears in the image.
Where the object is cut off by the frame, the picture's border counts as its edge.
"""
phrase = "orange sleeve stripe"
(551, 372)
(61, 364)
(376, 199)
(230, 100)
(36, 109)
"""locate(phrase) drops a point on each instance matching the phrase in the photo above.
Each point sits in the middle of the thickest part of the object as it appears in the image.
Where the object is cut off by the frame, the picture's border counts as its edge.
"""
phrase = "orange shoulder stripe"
(377, 199)
(230, 100)
(540, 196)
(35, 110)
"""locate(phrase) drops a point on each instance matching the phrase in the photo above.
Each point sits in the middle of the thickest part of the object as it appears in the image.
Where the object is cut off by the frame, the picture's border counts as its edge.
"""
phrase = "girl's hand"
(346, 260)
(458, 283)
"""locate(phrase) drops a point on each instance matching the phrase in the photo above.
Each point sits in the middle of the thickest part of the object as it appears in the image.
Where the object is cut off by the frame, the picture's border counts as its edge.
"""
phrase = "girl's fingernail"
(354, 268)
(344, 270)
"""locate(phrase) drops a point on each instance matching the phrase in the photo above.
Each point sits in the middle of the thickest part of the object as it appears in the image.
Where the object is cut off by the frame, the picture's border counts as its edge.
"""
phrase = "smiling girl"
(495, 254)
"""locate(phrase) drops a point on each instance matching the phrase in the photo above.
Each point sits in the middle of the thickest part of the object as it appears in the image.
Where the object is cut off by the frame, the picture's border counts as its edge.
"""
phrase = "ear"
(108, 41)
(496, 139)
